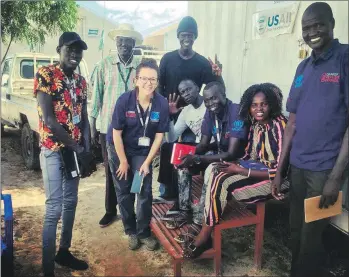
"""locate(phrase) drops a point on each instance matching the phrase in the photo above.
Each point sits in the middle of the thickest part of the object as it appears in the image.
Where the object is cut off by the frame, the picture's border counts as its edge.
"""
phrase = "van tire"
(30, 148)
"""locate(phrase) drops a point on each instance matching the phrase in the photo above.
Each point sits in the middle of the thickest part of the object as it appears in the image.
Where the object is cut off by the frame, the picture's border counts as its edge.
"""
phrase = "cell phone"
(137, 182)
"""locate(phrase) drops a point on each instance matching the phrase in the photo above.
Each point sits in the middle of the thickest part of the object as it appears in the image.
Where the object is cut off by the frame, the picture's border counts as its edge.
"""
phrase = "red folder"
(179, 151)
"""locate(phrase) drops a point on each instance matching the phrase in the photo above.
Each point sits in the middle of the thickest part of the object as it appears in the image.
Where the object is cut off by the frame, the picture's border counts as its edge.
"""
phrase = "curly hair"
(273, 95)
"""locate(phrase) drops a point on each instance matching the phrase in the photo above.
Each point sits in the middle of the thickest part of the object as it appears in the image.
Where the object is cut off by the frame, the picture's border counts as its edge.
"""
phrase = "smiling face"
(147, 81)
(70, 55)
(214, 99)
(317, 29)
(186, 40)
(125, 45)
(188, 91)
(259, 109)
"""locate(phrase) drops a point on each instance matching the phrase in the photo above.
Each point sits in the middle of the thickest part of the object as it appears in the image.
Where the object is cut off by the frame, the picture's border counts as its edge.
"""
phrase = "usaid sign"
(274, 21)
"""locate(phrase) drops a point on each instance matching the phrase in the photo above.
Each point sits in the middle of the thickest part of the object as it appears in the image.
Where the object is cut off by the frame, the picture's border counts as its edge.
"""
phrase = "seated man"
(221, 121)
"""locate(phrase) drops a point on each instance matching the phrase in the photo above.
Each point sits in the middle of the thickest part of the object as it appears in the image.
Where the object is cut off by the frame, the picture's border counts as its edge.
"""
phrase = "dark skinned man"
(316, 136)
(64, 132)
(114, 76)
(181, 64)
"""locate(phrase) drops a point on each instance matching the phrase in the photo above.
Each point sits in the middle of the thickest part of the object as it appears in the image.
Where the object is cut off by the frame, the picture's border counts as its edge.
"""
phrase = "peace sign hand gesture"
(216, 66)
(172, 103)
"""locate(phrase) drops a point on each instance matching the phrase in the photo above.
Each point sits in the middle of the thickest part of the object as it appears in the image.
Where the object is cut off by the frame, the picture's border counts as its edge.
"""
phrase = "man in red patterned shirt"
(64, 132)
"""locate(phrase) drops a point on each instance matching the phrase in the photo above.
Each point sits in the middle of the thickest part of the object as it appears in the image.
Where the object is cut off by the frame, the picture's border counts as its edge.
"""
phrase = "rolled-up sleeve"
(119, 115)
(293, 97)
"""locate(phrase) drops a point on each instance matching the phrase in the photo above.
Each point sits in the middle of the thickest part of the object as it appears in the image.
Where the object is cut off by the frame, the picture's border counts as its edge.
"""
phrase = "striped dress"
(264, 146)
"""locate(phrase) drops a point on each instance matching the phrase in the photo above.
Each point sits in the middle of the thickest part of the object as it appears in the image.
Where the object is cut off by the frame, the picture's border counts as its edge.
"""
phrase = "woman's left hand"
(144, 169)
(229, 168)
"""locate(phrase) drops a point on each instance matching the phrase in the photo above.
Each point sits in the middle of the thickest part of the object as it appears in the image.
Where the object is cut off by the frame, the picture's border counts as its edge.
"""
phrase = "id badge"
(76, 119)
(144, 141)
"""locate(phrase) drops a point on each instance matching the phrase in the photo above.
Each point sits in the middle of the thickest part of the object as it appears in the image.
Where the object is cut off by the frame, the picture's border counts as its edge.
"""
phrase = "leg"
(312, 254)
(51, 163)
(184, 189)
(259, 232)
(110, 196)
(176, 268)
(125, 197)
(217, 245)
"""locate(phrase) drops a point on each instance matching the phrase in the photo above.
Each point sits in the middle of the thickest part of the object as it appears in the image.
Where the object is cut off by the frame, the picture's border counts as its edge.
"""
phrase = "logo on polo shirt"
(155, 116)
(330, 78)
(299, 81)
(237, 125)
(131, 114)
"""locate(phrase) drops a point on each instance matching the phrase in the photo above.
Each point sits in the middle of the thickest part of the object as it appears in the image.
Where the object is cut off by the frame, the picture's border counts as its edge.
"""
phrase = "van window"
(27, 67)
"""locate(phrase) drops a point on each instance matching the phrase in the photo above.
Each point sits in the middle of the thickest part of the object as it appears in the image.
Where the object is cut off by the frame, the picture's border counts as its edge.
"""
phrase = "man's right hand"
(122, 170)
(94, 132)
(187, 161)
(172, 104)
(276, 187)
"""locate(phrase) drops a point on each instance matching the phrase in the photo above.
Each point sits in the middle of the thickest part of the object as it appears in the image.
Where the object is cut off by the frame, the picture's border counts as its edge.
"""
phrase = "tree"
(32, 21)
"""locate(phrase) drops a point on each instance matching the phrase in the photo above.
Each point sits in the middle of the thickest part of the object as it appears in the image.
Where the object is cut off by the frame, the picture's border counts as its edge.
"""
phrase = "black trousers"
(308, 253)
(110, 195)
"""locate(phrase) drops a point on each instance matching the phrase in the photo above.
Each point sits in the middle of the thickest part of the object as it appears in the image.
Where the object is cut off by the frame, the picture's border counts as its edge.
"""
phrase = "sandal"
(193, 231)
(175, 223)
(191, 251)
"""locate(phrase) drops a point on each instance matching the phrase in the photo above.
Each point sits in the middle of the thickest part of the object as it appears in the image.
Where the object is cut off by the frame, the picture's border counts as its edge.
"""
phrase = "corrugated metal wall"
(225, 28)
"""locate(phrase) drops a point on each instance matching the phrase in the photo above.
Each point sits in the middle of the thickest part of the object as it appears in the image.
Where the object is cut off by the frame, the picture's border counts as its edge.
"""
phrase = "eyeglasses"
(152, 81)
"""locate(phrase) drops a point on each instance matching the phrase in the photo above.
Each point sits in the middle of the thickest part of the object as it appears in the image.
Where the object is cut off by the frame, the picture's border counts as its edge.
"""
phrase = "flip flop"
(175, 223)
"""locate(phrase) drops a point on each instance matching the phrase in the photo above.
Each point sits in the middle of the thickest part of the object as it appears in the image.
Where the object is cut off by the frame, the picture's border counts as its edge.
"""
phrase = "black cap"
(188, 24)
(68, 38)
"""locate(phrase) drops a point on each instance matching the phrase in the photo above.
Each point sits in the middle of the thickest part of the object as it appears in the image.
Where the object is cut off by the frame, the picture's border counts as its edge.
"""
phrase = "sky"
(146, 16)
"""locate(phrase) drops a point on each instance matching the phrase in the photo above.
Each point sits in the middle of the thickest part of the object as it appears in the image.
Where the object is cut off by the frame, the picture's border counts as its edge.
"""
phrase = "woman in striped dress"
(248, 179)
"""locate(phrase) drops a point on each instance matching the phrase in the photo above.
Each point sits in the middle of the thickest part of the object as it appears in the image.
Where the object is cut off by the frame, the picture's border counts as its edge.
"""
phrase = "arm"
(284, 156)
(120, 152)
(45, 104)
(177, 130)
(154, 148)
(85, 127)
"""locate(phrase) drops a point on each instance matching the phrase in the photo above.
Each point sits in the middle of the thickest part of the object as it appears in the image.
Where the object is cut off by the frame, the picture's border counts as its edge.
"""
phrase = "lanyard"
(123, 77)
(72, 90)
(218, 134)
(141, 118)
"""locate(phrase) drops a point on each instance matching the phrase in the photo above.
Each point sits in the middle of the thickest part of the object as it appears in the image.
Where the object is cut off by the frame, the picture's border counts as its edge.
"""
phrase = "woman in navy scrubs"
(140, 119)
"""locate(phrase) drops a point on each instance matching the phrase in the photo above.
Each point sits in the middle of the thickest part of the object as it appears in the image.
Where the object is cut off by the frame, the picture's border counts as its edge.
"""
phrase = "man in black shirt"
(179, 65)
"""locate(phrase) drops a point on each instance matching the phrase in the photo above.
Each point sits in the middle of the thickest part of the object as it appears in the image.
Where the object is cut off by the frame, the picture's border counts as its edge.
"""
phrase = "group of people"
(249, 151)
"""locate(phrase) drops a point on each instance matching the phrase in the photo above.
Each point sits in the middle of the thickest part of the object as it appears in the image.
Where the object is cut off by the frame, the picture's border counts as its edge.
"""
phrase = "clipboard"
(312, 212)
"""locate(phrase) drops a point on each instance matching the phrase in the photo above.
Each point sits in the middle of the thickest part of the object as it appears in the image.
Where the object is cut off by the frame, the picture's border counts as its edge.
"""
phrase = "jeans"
(308, 253)
(61, 200)
(135, 223)
(110, 196)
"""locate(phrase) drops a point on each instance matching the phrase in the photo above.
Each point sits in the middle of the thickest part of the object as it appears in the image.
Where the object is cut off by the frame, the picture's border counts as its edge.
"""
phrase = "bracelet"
(249, 172)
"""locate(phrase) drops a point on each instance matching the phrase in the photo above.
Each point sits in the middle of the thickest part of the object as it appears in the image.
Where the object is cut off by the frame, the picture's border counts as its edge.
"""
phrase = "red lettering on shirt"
(330, 78)
(131, 114)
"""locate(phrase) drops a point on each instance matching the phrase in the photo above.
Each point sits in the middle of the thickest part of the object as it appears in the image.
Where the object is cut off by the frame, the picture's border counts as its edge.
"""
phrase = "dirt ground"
(106, 250)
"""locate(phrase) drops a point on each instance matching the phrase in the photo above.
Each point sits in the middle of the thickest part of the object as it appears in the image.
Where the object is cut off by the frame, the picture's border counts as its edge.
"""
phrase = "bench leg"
(176, 268)
(217, 245)
(259, 233)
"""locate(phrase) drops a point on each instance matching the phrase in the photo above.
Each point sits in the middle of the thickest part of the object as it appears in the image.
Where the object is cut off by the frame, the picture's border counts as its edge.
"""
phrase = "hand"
(94, 135)
(216, 66)
(87, 164)
(172, 104)
(144, 169)
(122, 170)
(330, 193)
(187, 161)
(276, 187)
(226, 167)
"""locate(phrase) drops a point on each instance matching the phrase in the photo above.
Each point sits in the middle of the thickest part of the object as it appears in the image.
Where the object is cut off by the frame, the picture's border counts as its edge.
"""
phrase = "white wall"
(225, 28)
(88, 21)
(171, 41)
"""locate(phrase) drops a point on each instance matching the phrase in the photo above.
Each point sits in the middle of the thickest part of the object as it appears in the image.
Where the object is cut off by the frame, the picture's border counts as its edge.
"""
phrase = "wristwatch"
(197, 159)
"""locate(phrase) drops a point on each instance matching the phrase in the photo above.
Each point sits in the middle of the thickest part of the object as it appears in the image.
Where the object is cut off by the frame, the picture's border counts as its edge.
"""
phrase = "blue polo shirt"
(319, 98)
(126, 118)
(229, 123)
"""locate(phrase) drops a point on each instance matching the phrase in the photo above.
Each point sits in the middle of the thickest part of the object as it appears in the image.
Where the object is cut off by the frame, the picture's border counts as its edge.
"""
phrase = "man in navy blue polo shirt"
(140, 119)
(316, 136)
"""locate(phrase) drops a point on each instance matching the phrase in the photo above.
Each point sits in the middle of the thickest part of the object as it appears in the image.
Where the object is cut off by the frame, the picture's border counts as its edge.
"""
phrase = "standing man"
(316, 136)
(64, 129)
(181, 64)
(114, 76)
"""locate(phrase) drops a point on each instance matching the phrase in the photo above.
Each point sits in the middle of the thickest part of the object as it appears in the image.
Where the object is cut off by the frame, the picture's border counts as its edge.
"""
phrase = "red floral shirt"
(51, 80)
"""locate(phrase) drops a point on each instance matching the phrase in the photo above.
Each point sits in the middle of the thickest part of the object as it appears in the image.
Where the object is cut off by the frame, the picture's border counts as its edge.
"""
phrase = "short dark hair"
(217, 84)
(188, 80)
(273, 95)
(147, 63)
(321, 8)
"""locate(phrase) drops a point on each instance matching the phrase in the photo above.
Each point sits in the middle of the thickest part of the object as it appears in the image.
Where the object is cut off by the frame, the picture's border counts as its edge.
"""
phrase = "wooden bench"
(235, 215)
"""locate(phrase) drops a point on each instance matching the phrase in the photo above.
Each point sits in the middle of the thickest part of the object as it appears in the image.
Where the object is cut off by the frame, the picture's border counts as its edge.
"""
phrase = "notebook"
(312, 211)
(137, 183)
(179, 151)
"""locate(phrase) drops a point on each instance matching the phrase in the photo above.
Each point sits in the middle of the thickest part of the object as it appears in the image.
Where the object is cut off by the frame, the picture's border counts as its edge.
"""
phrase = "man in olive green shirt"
(114, 76)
